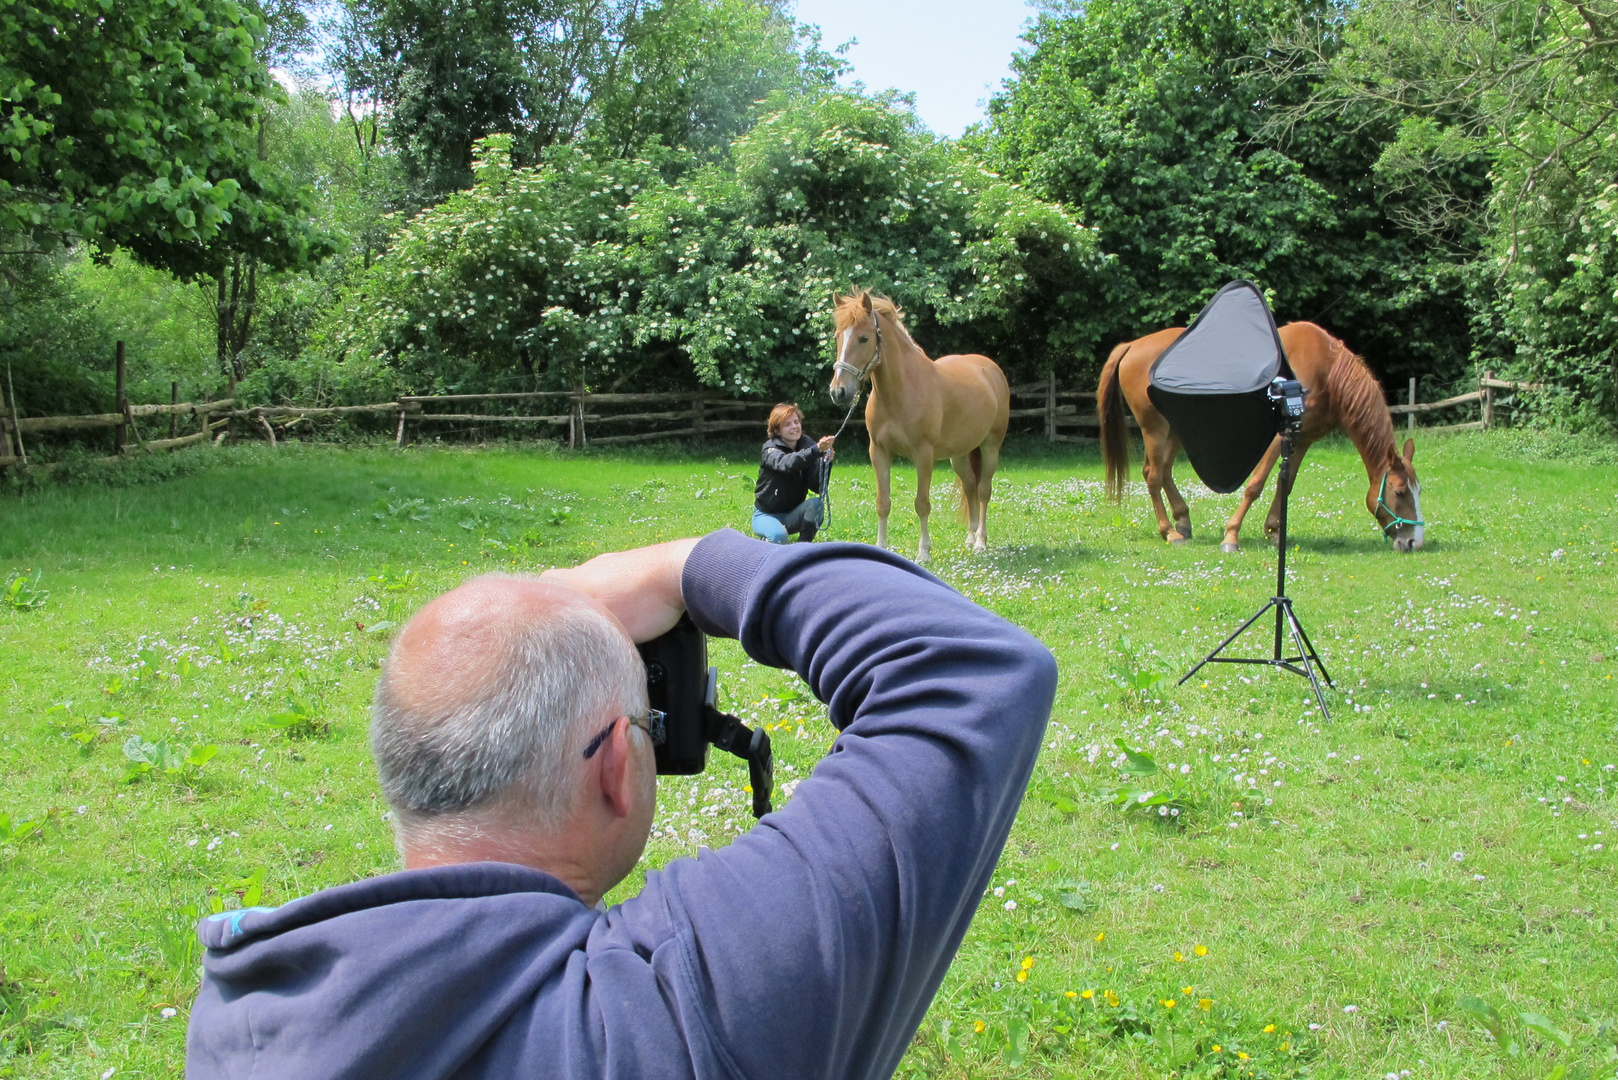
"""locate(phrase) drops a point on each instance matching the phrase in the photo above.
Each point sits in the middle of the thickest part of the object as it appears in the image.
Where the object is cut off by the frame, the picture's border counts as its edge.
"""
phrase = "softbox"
(1212, 385)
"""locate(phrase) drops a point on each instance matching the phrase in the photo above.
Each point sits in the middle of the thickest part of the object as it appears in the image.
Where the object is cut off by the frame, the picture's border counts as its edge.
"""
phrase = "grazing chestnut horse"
(955, 407)
(1342, 394)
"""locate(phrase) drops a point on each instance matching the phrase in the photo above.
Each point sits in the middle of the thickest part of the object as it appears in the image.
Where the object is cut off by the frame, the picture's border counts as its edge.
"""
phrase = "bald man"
(514, 746)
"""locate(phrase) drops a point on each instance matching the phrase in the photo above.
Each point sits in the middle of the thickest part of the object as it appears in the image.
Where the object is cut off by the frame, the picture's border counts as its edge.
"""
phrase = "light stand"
(1287, 395)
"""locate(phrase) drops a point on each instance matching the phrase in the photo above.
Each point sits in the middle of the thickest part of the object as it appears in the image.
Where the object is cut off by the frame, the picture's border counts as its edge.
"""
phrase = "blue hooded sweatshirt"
(809, 947)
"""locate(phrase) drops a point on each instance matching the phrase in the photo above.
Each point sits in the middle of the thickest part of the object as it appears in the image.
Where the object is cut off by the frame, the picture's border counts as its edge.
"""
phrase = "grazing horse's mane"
(1360, 405)
(851, 308)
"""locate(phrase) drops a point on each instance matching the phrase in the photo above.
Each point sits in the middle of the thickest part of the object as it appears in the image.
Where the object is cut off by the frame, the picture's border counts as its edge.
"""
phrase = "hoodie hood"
(407, 975)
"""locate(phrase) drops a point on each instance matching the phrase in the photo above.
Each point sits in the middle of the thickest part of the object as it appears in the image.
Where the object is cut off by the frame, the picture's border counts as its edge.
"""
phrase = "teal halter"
(1382, 504)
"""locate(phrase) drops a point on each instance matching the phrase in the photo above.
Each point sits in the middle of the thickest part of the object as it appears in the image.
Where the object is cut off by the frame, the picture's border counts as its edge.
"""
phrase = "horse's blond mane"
(1362, 409)
(851, 308)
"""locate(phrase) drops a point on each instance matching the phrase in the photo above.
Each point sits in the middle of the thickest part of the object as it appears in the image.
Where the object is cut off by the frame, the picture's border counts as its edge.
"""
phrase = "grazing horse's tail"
(1110, 410)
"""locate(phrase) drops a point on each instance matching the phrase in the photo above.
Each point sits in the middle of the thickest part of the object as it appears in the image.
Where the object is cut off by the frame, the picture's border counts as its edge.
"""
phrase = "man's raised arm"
(814, 944)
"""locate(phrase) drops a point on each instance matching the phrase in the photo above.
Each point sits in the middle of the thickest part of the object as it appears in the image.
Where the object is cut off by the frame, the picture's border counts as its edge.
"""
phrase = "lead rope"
(825, 466)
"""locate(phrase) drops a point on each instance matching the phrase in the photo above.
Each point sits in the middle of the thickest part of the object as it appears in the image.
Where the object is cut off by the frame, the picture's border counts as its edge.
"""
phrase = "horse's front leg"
(924, 502)
(1272, 520)
(1255, 488)
(882, 462)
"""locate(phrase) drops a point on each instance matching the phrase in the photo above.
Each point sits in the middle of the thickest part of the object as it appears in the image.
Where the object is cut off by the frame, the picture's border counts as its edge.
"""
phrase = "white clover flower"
(1351, 1008)
(1458, 856)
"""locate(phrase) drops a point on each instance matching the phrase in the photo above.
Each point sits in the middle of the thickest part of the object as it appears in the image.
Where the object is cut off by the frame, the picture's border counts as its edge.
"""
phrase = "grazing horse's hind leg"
(1182, 512)
(1156, 470)
(1250, 494)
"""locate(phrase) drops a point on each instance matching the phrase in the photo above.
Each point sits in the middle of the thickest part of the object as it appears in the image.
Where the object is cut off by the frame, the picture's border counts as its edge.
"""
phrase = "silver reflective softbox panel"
(1212, 385)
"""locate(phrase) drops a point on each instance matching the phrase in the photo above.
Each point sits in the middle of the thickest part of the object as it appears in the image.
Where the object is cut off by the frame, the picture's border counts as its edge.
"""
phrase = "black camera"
(681, 684)
(1286, 396)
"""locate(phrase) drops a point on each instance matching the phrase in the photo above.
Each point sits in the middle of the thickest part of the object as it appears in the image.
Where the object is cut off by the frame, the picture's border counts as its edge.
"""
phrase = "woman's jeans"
(804, 519)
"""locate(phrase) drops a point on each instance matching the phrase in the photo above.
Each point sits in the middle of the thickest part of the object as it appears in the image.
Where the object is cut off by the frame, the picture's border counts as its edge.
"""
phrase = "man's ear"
(614, 775)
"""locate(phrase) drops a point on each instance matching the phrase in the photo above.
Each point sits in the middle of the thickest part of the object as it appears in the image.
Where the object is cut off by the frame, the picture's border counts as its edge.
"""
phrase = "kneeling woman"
(790, 469)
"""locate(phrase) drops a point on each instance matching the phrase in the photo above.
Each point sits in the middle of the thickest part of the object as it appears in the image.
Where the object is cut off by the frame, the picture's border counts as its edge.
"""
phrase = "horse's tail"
(1110, 411)
(976, 458)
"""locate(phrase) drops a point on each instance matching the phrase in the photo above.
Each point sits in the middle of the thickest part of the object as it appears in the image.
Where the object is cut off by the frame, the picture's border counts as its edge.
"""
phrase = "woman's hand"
(825, 443)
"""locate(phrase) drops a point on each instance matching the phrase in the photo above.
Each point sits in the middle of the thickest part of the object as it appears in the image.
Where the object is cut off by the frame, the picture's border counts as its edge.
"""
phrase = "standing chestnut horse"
(1342, 394)
(955, 407)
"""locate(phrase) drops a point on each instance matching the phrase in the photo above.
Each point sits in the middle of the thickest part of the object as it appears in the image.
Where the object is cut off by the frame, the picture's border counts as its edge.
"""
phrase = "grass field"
(184, 728)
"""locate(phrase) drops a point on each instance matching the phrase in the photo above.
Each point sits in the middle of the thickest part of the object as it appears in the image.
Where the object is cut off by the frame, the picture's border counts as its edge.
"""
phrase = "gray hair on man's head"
(513, 735)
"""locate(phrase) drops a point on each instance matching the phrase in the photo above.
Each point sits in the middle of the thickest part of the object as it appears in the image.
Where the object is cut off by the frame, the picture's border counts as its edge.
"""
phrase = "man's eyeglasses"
(651, 723)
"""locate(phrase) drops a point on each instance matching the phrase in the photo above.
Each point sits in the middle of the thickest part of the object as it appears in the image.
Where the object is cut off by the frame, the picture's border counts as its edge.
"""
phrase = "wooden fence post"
(174, 401)
(121, 406)
(398, 436)
(1050, 408)
(1410, 421)
(16, 416)
(235, 406)
(1488, 400)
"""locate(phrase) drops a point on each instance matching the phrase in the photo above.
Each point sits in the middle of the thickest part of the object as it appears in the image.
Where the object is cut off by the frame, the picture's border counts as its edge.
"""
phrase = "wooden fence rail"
(697, 414)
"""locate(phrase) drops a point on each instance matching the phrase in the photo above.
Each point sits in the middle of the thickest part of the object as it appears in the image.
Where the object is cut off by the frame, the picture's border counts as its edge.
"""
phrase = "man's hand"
(640, 587)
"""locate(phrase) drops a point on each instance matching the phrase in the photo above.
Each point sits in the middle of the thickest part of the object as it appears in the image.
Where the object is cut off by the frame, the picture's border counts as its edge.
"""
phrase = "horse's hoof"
(1183, 530)
(1230, 549)
(1176, 539)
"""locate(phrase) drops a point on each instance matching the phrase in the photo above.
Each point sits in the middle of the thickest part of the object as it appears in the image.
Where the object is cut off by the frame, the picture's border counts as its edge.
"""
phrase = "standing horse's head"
(1395, 501)
(859, 345)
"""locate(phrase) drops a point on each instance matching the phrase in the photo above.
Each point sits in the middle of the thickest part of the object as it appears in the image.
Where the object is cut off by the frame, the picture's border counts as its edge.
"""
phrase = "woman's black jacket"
(786, 474)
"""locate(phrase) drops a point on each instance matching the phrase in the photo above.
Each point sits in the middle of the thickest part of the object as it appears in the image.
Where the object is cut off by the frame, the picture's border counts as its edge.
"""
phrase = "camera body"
(681, 684)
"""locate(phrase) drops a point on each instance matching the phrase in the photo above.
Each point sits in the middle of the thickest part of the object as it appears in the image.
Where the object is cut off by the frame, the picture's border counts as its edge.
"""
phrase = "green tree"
(135, 124)
(1155, 121)
(604, 272)
(687, 72)
(1528, 89)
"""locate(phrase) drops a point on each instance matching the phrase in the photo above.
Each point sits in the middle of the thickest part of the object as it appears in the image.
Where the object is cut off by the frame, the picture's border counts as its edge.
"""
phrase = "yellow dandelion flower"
(1269, 1029)
(1088, 994)
(1179, 958)
(1241, 1055)
(1217, 1048)
(1168, 1003)
(1027, 962)
(1205, 1004)
(1112, 999)
(1201, 950)
(977, 1027)
(1101, 936)
(1022, 976)
(1186, 990)
(1071, 995)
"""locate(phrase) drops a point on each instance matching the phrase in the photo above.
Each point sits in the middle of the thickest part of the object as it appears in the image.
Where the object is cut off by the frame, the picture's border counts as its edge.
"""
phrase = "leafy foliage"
(582, 270)
(1154, 121)
(133, 124)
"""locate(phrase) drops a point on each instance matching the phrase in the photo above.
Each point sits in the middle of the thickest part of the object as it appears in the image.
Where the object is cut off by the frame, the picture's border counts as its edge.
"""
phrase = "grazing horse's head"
(859, 344)
(1395, 500)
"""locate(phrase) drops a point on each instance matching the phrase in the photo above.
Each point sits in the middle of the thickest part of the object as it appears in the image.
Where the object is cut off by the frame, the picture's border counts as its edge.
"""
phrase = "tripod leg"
(1311, 654)
(1303, 654)
(1257, 615)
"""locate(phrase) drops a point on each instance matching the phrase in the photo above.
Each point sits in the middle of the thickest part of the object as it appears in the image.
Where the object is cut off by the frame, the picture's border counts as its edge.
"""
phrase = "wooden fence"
(579, 413)
(1483, 395)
